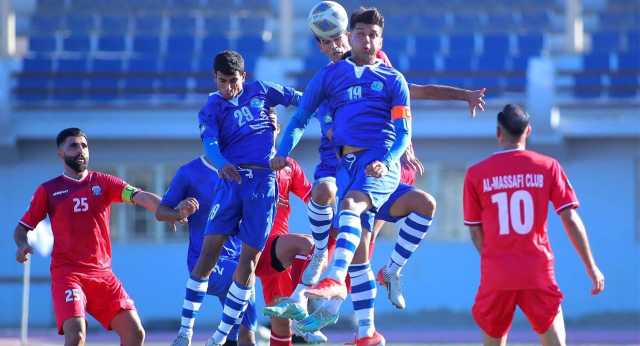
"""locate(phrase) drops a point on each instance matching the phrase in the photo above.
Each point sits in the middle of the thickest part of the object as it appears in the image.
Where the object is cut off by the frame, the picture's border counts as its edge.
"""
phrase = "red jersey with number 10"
(79, 211)
(508, 194)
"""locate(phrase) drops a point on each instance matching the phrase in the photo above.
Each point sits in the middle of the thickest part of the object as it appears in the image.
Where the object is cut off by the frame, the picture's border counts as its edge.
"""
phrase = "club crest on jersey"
(257, 103)
(328, 119)
(377, 86)
(96, 190)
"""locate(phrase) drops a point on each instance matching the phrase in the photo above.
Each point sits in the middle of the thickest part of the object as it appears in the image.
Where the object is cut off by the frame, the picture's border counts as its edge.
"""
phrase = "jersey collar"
(74, 179)
(359, 70)
(207, 164)
(508, 151)
(233, 101)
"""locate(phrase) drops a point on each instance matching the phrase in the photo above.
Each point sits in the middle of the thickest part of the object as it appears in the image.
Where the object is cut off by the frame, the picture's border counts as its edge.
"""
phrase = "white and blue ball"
(328, 19)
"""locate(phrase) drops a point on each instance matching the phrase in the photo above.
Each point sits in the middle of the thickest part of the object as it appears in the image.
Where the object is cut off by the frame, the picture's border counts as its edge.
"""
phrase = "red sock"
(280, 340)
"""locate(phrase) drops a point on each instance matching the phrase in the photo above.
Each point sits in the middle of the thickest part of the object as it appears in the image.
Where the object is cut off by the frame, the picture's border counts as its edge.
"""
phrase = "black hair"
(366, 16)
(513, 119)
(228, 62)
(69, 132)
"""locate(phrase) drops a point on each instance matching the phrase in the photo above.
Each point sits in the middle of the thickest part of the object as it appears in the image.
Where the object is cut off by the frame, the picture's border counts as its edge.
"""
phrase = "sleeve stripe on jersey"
(472, 222)
(31, 228)
(400, 112)
(564, 206)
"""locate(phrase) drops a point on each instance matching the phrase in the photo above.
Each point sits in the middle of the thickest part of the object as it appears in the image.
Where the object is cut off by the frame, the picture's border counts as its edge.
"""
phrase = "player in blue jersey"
(190, 194)
(405, 201)
(238, 138)
(370, 103)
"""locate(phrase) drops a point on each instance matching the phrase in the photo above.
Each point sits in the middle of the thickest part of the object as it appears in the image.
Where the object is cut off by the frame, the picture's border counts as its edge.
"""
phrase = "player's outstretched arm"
(147, 200)
(577, 232)
(180, 213)
(24, 249)
(474, 98)
(476, 237)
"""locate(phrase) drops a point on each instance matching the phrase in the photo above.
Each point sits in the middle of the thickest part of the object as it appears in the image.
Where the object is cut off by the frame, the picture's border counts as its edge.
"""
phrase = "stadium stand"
(148, 49)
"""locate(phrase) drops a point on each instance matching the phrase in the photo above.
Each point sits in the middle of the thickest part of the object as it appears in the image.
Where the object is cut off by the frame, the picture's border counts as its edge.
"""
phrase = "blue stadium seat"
(252, 44)
(42, 44)
(617, 19)
(103, 88)
(428, 44)
(76, 43)
(107, 66)
(204, 85)
(186, 4)
(205, 64)
(71, 82)
(496, 44)
(624, 85)
(146, 44)
(514, 84)
(138, 85)
(596, 62)
(114, 24)
(402, 24)
(183, 44)
(395, 45)
(629, 61)
(492, 62)
(213, 44)
(431, 23)
(467, 22)
(633, 40)
(314, 62)
(461, 44)
(519, 63)
(39, 65)
(587, 85)
(72, 66)
(535, 20)
(460, 82)
(250, 60)
(176, 64)
(501, 22)
(148, 24)
(606, 41)
(173, 85)
(51, 6)
(182, 25)
(530, 44)
(422, 62)
(45, 24)
(112, 43)
(217, 24)
(80, 23)
(252, 25)
(458, 62)
(146, 64)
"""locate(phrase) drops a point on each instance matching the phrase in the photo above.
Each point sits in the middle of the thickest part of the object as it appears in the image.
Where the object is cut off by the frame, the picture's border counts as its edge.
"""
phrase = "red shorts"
(493, 309)
(278, 282)
(101, 295)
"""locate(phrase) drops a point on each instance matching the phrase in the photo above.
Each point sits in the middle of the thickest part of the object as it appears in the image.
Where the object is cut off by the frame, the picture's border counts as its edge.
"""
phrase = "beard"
(76, 164)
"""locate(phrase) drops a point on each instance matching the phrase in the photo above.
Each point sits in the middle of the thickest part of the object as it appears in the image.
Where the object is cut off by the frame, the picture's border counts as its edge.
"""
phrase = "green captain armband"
(128, 192)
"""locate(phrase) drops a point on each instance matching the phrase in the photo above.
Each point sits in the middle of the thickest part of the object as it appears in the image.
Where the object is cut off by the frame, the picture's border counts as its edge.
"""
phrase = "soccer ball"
(328, 19)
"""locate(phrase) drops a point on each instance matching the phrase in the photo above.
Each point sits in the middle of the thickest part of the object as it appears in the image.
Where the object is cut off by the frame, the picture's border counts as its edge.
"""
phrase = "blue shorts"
(253, 202)
(351, 176)
(384, 213)
(219, 283)
(329, 161)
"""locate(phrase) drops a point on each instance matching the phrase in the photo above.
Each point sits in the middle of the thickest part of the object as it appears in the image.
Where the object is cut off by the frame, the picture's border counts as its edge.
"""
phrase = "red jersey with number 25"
(508, 195)
(79, 212)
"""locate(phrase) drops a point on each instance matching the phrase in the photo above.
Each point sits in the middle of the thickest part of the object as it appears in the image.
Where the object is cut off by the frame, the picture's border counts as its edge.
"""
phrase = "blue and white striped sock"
(363, 295)
(194, 296)
(346, 244)
(320, 217)
(234, 305)
(412, 230)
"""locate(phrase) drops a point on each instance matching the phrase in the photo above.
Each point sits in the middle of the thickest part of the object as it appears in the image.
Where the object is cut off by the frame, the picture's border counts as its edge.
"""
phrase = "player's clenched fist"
(376, 169)
(22, 255)
(229, 172)
(187, 207)
(278, 162)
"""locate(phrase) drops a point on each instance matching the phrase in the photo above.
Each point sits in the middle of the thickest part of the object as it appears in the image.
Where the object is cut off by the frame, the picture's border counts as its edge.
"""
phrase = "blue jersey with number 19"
(241, 125)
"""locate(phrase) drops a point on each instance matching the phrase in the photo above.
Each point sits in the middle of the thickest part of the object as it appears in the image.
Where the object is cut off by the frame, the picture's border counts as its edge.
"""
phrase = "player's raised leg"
(418, 208)
(320, 213)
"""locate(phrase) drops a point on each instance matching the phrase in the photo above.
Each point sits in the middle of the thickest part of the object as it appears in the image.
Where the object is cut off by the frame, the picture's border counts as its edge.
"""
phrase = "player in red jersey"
(505, 206)
(78, 204)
